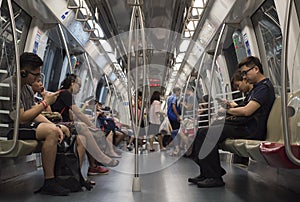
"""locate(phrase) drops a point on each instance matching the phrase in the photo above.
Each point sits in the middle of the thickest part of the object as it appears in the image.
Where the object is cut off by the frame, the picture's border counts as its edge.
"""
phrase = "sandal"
(112, 163)
(114, 156)
(152, 150)
(163, 149)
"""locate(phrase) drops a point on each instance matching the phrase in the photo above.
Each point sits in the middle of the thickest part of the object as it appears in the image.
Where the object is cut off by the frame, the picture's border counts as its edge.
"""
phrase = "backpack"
(67, 167)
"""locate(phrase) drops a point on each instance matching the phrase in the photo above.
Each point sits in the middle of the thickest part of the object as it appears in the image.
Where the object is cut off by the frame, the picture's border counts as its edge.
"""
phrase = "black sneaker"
(211, 182)
(51, 187)
(194, 180)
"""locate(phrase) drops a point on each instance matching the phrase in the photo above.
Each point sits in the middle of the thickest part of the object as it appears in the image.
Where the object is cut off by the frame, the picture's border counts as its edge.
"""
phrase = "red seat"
(275, 155)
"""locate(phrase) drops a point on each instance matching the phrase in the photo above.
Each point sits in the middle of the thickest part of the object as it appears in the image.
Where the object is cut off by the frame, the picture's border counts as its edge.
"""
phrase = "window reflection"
(7, 50)
(269, 36)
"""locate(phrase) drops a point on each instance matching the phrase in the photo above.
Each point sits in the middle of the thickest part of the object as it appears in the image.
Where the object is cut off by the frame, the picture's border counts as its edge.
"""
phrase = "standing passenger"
(261, 99)
(154, 119)
(174, 112)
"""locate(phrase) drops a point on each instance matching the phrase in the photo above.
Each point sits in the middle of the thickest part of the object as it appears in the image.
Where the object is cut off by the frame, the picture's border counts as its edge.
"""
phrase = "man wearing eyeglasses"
(33, 125)
(256, 112)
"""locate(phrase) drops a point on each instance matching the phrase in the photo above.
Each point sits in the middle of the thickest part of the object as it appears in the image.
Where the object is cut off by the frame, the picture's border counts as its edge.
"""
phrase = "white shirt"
(154, 115)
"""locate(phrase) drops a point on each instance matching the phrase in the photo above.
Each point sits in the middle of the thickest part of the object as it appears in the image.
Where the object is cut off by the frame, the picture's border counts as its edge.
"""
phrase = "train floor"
(167, 185)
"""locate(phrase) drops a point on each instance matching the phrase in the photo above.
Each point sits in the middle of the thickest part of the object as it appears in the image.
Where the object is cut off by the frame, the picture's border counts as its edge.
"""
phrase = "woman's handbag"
(54, 117)
(165, 126)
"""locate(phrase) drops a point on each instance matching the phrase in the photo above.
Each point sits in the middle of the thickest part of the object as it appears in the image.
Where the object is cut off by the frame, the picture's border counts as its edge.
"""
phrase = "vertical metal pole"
(197, 84)
(213, 68)
(136, 185)
(89, 69)
(18, 83)
(66, 46)
(286, 128)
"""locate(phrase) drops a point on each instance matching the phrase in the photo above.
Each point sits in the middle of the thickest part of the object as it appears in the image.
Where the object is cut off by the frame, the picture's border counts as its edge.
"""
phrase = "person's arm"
(43, 93)
(232, 104)
(157, 109)
(42, 119)
(81, 116)
(175, 111)
(247, 110)
(31, 114)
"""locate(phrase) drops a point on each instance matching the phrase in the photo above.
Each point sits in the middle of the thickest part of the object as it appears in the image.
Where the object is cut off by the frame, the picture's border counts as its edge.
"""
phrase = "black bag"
(166, 140)
(67, 167)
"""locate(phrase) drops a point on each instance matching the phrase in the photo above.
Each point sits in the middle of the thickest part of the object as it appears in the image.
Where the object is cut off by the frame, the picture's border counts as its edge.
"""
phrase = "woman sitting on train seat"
(108, 126)
(241, 84)
(257, 109)
(154, 118)
(34, 126)
(106, 113)
(38, 89)
(71, 113)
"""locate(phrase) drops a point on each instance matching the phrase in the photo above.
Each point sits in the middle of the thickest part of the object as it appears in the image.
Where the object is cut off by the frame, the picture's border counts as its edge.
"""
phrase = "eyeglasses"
(244, 73)
(36, 75)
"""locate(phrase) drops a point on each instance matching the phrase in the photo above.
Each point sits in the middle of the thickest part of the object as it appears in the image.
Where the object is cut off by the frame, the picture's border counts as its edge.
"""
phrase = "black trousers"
(210, 166)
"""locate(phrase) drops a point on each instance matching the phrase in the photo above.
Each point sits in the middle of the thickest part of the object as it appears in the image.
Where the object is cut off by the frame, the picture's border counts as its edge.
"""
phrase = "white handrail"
(286, 128)
(18, 84)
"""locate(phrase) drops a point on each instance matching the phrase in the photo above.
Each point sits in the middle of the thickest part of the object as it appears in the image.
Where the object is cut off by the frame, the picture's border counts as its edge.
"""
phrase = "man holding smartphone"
(260, 101)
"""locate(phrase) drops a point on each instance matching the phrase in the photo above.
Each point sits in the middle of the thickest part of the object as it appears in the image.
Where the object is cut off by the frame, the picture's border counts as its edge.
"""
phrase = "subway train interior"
(124, 51)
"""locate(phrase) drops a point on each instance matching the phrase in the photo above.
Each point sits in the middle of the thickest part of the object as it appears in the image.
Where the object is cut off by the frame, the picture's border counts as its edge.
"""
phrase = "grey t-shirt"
(26, 102)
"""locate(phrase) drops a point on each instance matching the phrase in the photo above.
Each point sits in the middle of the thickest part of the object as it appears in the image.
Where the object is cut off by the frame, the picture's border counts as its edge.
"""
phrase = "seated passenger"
(39, 92)
(113, 135)
(34, 126)
(243, 86)
(38, 88)
(71, 113)
(261, 99)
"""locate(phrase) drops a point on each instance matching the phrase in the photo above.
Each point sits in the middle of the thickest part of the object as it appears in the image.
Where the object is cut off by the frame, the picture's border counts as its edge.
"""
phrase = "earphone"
(24, 74)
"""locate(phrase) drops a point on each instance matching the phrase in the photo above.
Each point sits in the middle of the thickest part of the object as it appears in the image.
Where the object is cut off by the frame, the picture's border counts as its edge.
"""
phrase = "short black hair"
(251, 61)
(30, 60)
(237, 76)
(176, 89)
(155, 96)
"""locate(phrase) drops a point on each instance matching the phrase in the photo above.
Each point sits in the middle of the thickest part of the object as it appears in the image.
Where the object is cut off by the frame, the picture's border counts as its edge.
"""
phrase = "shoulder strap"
(62, 111)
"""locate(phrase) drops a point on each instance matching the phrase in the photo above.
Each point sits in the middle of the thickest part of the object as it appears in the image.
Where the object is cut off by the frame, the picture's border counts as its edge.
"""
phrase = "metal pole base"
(136, 184)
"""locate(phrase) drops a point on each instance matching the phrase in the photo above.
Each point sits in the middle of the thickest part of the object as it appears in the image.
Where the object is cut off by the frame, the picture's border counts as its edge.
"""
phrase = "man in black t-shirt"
(259, 104)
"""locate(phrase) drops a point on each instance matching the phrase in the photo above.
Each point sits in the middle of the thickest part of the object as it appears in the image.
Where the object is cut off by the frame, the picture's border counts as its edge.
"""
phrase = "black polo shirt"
(262, 93)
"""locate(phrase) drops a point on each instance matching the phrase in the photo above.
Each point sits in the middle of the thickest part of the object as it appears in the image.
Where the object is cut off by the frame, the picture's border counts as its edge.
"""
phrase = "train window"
(297, 4)
(7, 52)
(269, 37)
